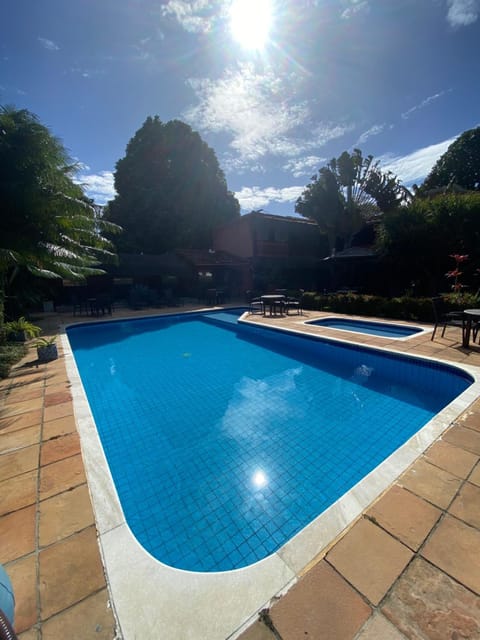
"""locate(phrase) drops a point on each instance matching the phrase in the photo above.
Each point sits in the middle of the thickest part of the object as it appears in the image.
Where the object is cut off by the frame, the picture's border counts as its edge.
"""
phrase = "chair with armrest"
(294, 303)
(444, 319)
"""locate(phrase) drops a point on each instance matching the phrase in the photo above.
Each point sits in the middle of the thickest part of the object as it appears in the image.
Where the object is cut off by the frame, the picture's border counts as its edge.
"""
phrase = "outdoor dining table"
(273, 302)
(469, 316)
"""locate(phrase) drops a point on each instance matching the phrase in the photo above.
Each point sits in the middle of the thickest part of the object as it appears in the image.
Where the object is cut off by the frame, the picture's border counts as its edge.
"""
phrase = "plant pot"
(17, 336)
(47, 353)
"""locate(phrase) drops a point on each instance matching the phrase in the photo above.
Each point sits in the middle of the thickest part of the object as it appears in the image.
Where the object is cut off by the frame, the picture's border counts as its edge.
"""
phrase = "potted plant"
(47, 349)
(21, 330)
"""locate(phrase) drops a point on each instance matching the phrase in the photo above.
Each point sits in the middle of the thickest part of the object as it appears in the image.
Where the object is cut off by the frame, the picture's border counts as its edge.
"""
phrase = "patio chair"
(255, 304)
(294, 303)
(446, 319)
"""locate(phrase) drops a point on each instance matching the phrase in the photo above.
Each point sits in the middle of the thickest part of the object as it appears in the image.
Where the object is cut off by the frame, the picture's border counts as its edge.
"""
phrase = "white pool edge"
(150, 599)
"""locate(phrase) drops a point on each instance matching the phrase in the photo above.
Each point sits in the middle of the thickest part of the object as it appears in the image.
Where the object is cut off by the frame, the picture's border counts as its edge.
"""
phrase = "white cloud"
(49, 44)
(356, 6)
(258, 111)
(423, 103)
(304, 166)
(414, 167)
(259, 197)
(461, 13)
(373, 131)
(98, 186)
(196, 16)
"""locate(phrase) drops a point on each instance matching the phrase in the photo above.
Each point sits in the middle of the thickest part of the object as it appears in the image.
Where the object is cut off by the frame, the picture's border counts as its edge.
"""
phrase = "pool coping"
(421, 330)
(151, 599)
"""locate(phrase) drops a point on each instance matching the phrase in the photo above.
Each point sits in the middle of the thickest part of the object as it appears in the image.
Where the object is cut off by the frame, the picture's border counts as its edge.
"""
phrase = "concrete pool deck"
(408, 567)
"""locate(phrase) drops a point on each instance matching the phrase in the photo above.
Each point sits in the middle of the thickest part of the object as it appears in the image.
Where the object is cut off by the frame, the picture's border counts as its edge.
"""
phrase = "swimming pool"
(382, 329)
(225, 440)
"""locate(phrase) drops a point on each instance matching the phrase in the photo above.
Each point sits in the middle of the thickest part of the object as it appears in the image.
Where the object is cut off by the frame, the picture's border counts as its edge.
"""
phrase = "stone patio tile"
(321, 605)
(58, 397)
(462, 437)
(379, 628)
(64, 514)
(18, 462)
(61, 476)
(257, 631)
(427, 604)
(59, 448)
(12, 423)
(430, 482)
(404, 515)
(475, 476)
(454, 548)
(453, 459)
(17, 534)
(59, 427)
(471, 420)
(69, 572)
(466, 505)
(23, 576)
(370, 559)
(20, 438)
(22, 394)
(58, 411)
(91, 619)
(31, 634)
(18, 492)
(16, 408)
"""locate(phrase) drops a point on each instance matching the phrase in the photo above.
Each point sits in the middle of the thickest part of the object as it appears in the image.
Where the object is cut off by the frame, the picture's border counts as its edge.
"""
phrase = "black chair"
(444, 319)
(294, 303)
(255, 304)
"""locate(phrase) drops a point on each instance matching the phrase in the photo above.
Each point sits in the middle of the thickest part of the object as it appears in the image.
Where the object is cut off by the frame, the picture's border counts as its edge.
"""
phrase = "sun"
(250, 22)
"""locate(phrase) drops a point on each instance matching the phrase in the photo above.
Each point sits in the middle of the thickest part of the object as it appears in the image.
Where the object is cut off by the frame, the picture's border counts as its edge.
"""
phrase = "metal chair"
(446, 319)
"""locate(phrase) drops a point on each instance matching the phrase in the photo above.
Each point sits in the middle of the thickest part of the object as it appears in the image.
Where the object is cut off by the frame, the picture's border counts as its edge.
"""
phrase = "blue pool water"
(224, 440)
(382, 329)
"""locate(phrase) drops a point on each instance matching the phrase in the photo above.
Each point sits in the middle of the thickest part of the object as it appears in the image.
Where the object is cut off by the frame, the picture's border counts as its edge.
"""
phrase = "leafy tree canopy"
(47, 225)
(171, 190)
(347, 193)
(458, 167)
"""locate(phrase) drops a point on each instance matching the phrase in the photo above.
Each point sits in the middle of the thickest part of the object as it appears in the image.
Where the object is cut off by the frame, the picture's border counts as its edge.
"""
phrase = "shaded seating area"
(294, 304)
(443, 318)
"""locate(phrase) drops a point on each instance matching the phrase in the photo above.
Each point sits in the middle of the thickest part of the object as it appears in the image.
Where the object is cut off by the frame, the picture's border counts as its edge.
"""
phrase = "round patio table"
(469, 316)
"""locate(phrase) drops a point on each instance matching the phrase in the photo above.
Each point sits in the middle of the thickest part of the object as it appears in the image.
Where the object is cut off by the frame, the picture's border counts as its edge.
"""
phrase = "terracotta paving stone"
(258, 631)
(91, 619)
(64, 514)
(61, 476)
(59, 448)
(430, 482)
(370, 559)
(12, 423)
(20, 395)
(17, 534)
(454, 548)
(475, 476)
(17, 462)
(453, 459)
(18, 492)
(59, 397)
(58, 411)
(20, 438)
(404, 515)
(59, 427)
(426, 604)
(471, 420)
(70, 571)
(462, 437)
(16, 408)
(379, 628)
(22, 574)
(31, 634)
(321, 605)
(466, 505)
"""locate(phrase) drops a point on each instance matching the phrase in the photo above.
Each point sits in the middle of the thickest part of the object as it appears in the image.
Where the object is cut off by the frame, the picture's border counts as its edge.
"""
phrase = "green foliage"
(459, 165)
(47, 224)
(10, 354)
(21, 326)
(350, 191)
(171, 190)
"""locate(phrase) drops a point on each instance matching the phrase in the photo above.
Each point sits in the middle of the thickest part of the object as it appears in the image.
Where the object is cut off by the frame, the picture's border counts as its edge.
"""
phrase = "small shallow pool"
(381, 329)
(224, 440)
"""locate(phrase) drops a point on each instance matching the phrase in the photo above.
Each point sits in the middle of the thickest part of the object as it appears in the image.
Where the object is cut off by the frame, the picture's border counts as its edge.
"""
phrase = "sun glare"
(250, 22)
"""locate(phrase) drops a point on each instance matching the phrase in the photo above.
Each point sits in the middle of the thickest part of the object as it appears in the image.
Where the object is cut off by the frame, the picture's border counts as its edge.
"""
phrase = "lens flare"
(250, 22)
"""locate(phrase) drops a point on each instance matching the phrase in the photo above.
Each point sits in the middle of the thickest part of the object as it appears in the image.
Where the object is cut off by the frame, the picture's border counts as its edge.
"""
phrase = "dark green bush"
(10, 353)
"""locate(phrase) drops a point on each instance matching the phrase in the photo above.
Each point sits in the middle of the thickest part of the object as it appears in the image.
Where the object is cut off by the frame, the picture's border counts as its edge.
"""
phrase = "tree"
(458, 167)
(350, 191)
(171, 190)
(48, 225)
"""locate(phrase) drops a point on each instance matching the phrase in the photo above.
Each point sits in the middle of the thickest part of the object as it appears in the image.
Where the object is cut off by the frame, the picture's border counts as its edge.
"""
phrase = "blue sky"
(276, 91)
